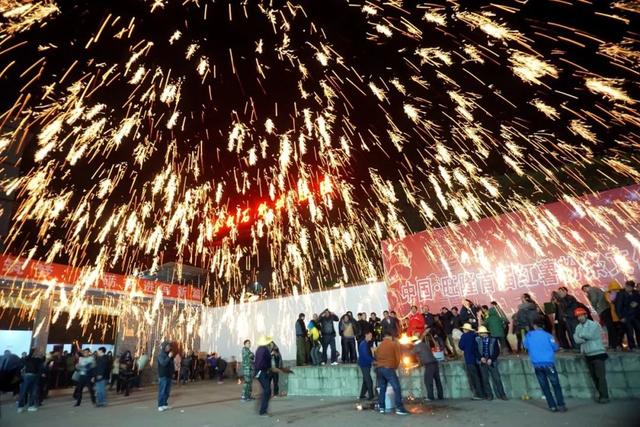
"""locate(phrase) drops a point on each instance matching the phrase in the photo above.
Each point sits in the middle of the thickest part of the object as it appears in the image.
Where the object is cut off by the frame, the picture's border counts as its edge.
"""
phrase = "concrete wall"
(518, 378)
(225, 328)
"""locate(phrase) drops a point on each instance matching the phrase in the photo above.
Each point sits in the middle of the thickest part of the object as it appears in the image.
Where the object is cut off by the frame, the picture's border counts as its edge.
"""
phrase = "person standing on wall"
(446, 318)
(102, 373)
(613, 290)
(628, 308)
(469, 313)
(398, 324)
(348, 334)
(166, 369)
(388, 325)
(495, 325)
(301, 341)
(505, 320)
(314, 338)
(569, 303)
(362, 327)
(588, 336)
(365, 361)
(247, 365)
(524, 318)
(387, 361)
(376, 328)
(542, 348)
(600, 305)
(328, 336)
(416, 322)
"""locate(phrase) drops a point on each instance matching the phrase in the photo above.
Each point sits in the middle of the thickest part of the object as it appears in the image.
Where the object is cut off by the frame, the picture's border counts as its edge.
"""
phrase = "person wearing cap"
(488, 352)
(468, 345)
(542, 349)
(262, 366)
(588, 336)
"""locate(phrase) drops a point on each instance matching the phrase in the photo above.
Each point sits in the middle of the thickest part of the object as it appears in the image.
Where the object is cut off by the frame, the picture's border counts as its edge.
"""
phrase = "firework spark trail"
(165, 181)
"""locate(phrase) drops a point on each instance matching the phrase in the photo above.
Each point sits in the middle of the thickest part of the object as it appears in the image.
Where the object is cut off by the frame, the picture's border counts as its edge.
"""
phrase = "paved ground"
(211, 405)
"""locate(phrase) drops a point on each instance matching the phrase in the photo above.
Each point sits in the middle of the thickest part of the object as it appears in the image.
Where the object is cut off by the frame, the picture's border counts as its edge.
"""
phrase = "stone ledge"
(517, 376)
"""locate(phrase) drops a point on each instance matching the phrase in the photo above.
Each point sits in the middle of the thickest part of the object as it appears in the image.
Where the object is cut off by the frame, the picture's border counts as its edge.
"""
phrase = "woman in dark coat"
(126, 372)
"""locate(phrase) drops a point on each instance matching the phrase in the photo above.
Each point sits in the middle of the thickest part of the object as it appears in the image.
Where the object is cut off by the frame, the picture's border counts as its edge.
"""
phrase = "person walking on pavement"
(85, 368)
(101, 372)
(166, 369)
(262, 366)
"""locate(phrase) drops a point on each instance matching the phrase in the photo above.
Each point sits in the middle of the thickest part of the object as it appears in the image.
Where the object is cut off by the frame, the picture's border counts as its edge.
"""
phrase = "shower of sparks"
(146, 158)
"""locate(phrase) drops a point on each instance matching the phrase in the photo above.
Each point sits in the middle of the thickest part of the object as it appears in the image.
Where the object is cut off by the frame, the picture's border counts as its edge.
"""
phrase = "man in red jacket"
(416, 322)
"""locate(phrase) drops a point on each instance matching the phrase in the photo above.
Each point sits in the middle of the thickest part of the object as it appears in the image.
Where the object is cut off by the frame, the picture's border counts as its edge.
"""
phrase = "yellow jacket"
(613, 287)
(314, 334)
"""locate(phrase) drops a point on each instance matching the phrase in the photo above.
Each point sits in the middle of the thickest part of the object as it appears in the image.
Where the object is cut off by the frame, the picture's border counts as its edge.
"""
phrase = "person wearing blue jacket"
(468, 345)
(365, 361)
(542, 352)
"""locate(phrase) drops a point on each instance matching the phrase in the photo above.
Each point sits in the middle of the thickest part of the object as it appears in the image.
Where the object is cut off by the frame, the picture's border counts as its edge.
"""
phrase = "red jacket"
(416, 324)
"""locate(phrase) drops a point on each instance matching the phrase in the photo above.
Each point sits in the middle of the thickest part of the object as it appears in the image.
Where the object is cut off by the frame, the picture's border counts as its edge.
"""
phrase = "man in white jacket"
(588, 336)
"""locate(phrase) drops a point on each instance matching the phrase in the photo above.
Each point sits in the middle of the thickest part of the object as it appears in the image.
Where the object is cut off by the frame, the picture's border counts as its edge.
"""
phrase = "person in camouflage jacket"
(247, 365)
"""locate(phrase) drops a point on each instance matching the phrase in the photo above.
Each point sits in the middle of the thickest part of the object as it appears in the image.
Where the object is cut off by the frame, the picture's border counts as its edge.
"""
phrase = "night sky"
(457, 74)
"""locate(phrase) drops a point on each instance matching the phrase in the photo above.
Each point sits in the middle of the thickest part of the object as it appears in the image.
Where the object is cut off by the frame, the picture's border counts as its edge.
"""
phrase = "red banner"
(12, 268)
(593, 239)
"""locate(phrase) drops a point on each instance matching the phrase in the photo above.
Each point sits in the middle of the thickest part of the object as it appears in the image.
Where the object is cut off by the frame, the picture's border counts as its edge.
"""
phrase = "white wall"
(15, 341)
(224, 329)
